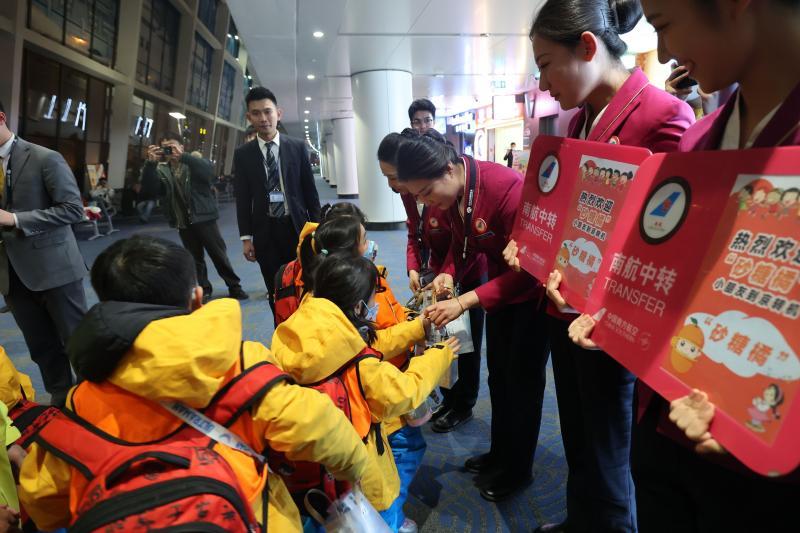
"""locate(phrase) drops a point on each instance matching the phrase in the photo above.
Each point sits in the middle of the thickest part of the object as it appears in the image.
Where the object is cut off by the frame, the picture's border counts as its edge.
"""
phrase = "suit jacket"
(46, 200)
(251, 192)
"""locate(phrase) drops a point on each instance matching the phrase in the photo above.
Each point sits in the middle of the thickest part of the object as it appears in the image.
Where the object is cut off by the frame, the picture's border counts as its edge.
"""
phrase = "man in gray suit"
(41, 268)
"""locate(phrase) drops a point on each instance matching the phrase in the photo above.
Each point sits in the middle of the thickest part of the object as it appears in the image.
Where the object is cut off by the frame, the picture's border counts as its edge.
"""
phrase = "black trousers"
(464, 394)
(595, 404)
(206, 236)
(47, 319)
(680, 490)
(517, 347)
(276, 245)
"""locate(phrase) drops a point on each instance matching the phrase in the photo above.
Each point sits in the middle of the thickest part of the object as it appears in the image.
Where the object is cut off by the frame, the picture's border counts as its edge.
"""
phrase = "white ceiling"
(457, 50)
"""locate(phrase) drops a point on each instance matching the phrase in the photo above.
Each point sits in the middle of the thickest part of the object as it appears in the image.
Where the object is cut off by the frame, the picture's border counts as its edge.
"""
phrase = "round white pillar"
(344, 145)
(380, 102)
(331, 160)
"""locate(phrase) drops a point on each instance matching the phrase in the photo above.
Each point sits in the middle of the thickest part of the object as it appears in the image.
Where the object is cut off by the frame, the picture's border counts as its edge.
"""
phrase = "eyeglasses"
(420, 122)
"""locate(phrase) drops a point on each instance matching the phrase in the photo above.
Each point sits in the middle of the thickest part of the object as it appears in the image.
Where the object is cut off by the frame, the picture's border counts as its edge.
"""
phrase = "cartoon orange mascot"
(562, 259)
(687, 346)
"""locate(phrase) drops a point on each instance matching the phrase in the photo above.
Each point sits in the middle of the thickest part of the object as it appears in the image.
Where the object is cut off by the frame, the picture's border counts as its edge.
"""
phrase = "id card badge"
(276, 197)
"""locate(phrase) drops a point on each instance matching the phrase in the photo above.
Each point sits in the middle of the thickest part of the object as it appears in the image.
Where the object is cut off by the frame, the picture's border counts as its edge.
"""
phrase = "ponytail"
(340, 235)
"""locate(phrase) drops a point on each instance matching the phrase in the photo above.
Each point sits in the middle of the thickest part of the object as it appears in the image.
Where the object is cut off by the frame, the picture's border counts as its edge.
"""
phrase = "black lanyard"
(424, 252)
(470, 193)
(7, 192)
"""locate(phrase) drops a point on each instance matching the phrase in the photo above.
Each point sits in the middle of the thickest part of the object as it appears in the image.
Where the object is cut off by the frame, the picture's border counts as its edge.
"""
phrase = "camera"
(167, 150)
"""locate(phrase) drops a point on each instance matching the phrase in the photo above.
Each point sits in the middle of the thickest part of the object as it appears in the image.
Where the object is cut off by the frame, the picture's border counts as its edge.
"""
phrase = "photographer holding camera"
(185, 184)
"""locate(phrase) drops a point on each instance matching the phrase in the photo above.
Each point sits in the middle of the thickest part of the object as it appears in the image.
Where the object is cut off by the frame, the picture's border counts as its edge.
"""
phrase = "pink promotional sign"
(699, 289)
(574, 194)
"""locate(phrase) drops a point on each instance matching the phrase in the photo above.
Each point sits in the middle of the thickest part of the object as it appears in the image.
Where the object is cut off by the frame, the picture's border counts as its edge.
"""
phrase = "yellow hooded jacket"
(14, 385)
(189, 358)
(318, 339)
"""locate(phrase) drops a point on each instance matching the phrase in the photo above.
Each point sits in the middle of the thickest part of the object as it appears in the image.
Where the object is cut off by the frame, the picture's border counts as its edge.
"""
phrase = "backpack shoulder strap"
(71, 439)
(284, 278)
(244, 391)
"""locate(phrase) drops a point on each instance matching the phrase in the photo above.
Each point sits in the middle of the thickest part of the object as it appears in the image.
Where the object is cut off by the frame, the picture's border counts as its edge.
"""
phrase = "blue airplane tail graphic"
(664, 207)
(549, 170)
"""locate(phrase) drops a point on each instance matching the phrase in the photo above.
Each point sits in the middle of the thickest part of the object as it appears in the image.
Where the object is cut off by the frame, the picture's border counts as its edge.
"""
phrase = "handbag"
(351, 513)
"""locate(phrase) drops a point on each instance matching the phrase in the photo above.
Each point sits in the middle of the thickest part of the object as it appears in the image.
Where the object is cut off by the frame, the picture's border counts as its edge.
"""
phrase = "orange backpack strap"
(74, 441)
(244, 391)
(29, 418)
(287, 293)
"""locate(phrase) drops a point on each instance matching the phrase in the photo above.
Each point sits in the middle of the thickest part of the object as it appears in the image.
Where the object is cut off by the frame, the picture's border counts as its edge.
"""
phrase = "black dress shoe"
(503, 487)
(206, 296)
(479, 463)
(552, 528)
(238, 294)
(439, 411)
(451, 420)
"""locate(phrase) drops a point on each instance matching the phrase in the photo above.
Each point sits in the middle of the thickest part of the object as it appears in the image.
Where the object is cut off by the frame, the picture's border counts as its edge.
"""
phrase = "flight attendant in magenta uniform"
(692, 484)
(481, 200)
(429, 237)
(577, 47)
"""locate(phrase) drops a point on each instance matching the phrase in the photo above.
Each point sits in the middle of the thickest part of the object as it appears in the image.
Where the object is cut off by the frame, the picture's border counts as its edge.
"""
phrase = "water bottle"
(420, 415)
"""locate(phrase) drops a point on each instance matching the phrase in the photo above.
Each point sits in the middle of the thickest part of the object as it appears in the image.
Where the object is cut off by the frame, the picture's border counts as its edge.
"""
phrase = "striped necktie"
(273, 173)
(2, 181)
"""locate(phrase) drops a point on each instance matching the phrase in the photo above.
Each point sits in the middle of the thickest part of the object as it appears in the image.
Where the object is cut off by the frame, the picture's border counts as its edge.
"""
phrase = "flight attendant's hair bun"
(563, 21)
(627, 13)
(424, 156)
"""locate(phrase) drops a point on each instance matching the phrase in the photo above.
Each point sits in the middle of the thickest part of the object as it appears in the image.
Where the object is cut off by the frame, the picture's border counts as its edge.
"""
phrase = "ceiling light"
(318, 34)
(438, 75)
(249, 77)
(236, 37)
(310, 77)
(306, 120)
(308, 98)
(306, 111)
(230, 36)
(177, 115)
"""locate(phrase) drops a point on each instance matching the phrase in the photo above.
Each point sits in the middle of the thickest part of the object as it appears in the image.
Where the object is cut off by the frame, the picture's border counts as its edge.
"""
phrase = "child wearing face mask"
(334, 331)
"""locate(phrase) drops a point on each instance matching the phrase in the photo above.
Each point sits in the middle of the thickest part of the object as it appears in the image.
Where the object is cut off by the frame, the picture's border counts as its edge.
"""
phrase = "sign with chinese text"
(573, 196)
(699, 289)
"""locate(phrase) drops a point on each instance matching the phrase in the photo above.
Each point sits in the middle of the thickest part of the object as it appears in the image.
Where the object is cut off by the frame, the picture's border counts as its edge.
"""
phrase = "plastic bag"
(352, 513)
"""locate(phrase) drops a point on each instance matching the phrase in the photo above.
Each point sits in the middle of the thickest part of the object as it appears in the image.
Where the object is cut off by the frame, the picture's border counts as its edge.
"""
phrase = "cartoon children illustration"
(624, 178)
(562, 259)
(772, 203)
(765, 408)
(760, 190)
(615, 178)
(745, 197)
(789, 201)
(687, 346)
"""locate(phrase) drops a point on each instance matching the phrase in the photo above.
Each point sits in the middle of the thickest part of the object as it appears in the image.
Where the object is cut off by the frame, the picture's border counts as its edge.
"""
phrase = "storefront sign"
(80, 112)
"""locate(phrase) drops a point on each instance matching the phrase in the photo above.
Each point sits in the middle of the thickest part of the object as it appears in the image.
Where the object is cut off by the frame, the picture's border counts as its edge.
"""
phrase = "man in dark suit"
(41, 268)
(275, 191)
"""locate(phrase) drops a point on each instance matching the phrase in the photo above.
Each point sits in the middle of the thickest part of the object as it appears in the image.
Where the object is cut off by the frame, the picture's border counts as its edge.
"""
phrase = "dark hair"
(332, 211)
(778, 399)
(387, 150)
(421, 104)
(563, 21)
(790, 190)
(347, 281)
(2, 108)
(424, 156)
(260, 93)
(171, 136)
(338, 236)
(145, 269)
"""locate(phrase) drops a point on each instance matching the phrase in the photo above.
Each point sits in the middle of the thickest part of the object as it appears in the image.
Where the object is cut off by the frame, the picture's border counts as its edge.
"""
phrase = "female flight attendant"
(577, 47)
(757, 45)
(428, 244)
(481, 200)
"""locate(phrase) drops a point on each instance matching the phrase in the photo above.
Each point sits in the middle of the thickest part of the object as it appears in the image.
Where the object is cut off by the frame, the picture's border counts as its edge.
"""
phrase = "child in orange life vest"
(677, 458)
(345, 234)
(333, 326)
(151, 339)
